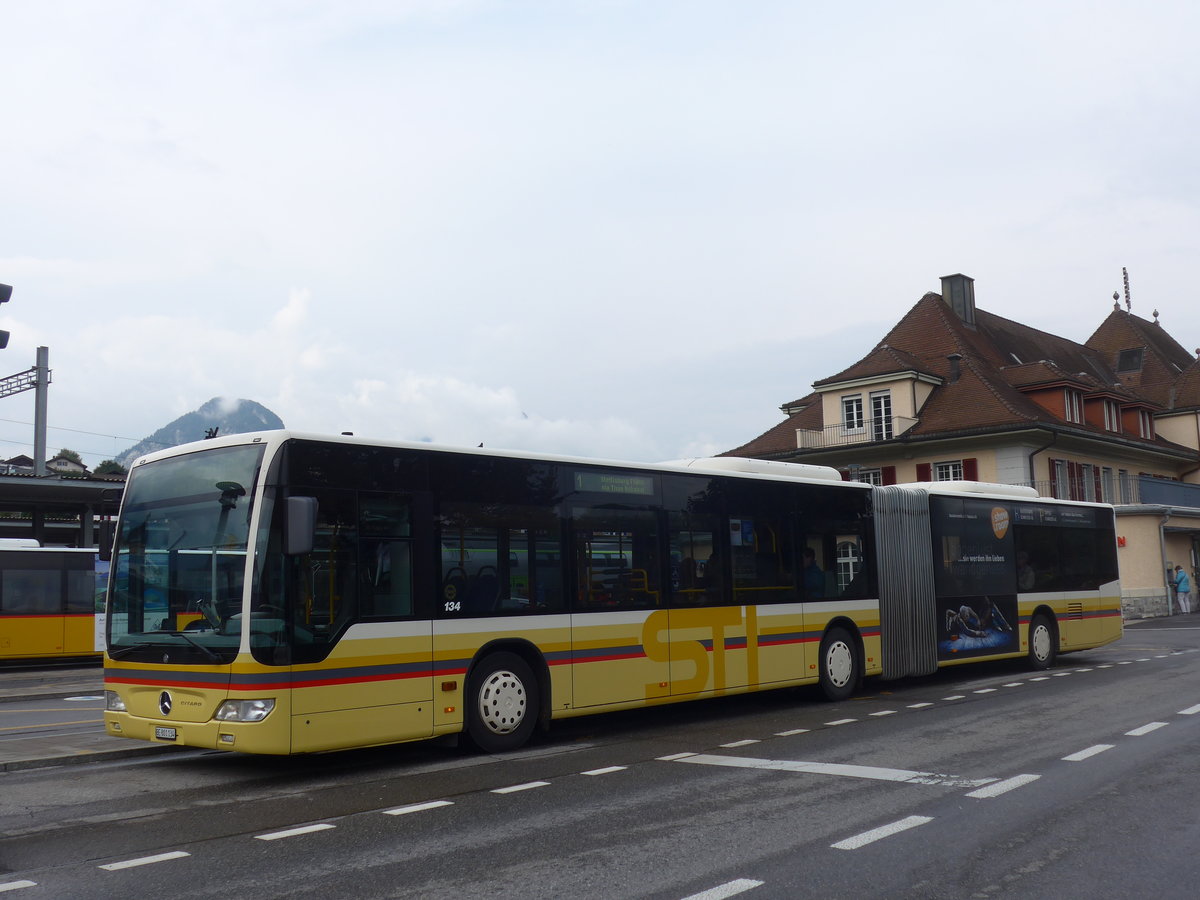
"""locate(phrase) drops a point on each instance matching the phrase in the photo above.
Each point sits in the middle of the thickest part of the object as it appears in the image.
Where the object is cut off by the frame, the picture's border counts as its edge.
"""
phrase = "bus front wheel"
(839, 664)
(502, 703)
(1042, 646)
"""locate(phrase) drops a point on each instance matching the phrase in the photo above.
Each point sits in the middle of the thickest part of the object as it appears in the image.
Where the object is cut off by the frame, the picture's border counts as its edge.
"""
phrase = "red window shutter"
(924, 472)
(845, 473)
(970, 469)
(888, 474)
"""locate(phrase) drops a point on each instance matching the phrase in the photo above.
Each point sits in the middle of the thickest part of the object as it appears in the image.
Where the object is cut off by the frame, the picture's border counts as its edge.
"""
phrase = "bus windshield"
(180, 557)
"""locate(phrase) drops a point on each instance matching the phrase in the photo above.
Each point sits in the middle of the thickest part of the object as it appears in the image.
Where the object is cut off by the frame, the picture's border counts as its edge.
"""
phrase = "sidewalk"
(91, 744)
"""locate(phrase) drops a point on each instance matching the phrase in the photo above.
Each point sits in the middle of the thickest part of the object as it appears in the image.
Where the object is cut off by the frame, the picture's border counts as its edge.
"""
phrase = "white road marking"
(292, 832)
(875, 834)
(16, 885)
(875, 773)
(1104, 666)
(919, 705)
(728, 889)
(884, 712)
(1060, 674)
(1124, 662)
(1146, 729)
(1090, 751)
(745, 743)
(1003, 787)
(841, 721)
(787, 733)
(955, 697)
(417, 807)
(1190, 711)
(1083, 670)
(985, 691)
(144, 861)
(675, 756)
(528, 786)
(607, 770)
(1041, 678)
(1014, 684)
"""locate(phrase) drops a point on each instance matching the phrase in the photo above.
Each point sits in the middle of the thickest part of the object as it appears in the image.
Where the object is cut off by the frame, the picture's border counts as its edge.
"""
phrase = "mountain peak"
(227, 415)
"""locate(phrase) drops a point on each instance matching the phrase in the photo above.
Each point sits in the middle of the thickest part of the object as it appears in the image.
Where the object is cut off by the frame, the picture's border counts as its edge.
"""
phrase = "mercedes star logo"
(164, 703)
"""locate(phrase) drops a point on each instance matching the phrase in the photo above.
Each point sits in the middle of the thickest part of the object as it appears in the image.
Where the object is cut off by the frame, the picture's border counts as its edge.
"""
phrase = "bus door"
(705, 633)
(31, 607)
(618, 594)
(363, 643)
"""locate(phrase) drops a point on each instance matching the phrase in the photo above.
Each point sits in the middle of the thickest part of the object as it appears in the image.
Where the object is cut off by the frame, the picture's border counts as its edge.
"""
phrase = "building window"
(852, 413)
(1112, 416)
(1073, 404)
(869, 476)
(948, 471)
(881, 415)
(1126, 487)
(1145, 424)
(1130, 360)
(1106, 484)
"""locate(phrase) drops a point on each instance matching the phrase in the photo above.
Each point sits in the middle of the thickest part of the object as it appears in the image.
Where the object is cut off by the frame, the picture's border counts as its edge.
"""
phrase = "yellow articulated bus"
(49, 600)
(290, 593)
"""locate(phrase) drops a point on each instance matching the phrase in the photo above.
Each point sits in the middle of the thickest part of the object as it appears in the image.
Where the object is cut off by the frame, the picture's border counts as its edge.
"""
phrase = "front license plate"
(164, 734)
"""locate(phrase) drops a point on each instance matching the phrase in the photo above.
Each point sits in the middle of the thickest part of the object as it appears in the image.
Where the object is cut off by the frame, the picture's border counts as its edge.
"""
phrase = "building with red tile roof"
(955, 392)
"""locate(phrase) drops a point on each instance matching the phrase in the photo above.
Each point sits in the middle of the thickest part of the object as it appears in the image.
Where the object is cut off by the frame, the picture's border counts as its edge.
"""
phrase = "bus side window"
(385, 556)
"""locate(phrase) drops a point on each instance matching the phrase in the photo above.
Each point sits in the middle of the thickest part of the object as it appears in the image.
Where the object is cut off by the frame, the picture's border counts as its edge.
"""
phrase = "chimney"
(958, 291)
(954, 359)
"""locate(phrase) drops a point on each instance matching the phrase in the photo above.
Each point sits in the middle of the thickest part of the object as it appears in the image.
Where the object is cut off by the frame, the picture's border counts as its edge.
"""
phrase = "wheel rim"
(839, 664)
(502, 703)
(1040, 642)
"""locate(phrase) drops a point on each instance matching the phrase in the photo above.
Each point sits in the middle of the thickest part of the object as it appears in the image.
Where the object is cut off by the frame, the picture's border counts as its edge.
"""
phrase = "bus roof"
(720, 465)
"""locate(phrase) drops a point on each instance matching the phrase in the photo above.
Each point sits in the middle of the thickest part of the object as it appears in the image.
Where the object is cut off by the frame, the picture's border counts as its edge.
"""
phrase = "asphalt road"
(982, 781)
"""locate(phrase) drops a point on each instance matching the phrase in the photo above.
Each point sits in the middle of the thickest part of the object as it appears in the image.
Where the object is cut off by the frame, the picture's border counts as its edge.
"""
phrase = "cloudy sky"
(617, 228)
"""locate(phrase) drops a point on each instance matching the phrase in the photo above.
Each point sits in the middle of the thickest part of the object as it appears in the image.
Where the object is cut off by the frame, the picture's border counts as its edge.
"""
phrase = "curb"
(84, 757)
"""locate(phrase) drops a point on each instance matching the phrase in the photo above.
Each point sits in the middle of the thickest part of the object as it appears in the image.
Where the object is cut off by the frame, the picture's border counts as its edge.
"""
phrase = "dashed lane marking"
(1003, 787)
(607, 770)
(417, 807)
(728, 889)
(1190, 711)
(144, 861)
(1089, 752)
(293, 832)
(1146, 729)
(528, 786)
(883, 831)
(16, 885)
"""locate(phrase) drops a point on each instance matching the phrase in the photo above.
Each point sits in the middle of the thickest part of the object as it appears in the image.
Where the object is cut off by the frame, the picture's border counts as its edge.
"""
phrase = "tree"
(71, 455)
(109, 467)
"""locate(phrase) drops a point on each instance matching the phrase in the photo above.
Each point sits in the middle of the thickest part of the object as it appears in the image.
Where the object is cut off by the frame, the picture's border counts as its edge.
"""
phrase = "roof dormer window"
(1130, 360)
(1073, 405)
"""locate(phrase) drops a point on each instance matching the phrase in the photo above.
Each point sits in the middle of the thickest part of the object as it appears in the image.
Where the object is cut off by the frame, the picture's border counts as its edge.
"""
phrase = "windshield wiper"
(125, 651)
(195, 644)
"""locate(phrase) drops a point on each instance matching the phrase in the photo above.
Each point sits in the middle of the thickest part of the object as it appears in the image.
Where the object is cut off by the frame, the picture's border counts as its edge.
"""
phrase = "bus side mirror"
(301, 525)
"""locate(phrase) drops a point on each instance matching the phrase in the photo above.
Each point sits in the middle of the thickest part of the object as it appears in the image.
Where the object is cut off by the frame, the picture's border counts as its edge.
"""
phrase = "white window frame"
(1145, 423)
(870, 476)
(852, 414)
(1112, 416)
(1073, 405)
(950, 470)
(881, 415)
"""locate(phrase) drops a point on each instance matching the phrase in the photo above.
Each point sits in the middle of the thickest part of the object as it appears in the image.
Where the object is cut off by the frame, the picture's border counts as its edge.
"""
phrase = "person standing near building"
(1183, 590)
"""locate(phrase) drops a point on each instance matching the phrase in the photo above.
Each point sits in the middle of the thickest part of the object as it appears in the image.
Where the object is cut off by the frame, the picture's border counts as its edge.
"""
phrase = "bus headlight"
(244, 710)
(113, 702)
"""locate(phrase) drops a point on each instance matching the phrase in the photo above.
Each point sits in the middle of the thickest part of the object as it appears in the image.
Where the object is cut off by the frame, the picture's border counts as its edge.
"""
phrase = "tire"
(1043, 644)
(839, 665)
(502, 703)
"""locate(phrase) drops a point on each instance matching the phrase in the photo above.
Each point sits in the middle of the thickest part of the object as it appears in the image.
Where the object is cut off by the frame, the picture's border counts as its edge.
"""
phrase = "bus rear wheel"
(839, 664)
(502, 703)
(1042, 646)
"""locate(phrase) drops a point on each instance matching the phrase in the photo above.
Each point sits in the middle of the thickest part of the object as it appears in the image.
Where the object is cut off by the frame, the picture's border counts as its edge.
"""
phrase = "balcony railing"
(883, 429)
